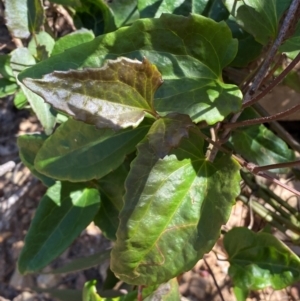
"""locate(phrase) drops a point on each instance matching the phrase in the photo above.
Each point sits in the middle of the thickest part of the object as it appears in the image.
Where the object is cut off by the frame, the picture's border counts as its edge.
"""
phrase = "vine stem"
(214, 279)
(288, 20)
(262, 119)
(274, 83)
(259, 77)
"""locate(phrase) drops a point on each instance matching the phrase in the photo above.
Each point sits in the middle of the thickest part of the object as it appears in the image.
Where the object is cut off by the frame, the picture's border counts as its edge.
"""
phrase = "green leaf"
(20, 60)
(80, 152)
(240, 293)
(89, 292)
(95, 15)
(5, 69)
(61, 294)
(73, 39)
(24, 17)
(189, 52)
(64, 211)
(155, 8)
(259, 260)
(173, 211)
(83, 263)
(112, 191)
(249, 49)
(7, 87)
(259, 18)
(28, 146)
(124, 11)
(293, 43)
(259, 145)
(115, 96)
(166, 133)
(72, 3)
(41, 41)
(20, 100)
(166, 292)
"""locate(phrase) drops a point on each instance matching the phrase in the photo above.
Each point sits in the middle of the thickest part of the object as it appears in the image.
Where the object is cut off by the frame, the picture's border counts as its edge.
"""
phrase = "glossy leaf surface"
(173, 210)
(29, 145)
(259, 145)
(258, 260)
(167, 132)
(24, 17)
(112, 190)
(64, 211)
(189, 52)
(259, 18)
(80, 152)
(73, 39)
(114, 96)
(21, 59)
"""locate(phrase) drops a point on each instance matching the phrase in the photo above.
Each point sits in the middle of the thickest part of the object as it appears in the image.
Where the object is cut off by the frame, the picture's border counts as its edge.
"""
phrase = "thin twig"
(276, 127)
(261, 120)
(274, 83)
(274, 166)
(214, 278)
(288, 20)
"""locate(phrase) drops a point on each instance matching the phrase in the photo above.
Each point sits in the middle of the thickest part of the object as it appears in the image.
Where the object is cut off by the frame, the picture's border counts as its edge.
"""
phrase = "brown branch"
(262, 119)
(274, 166)
(274, 83)
(284, 30)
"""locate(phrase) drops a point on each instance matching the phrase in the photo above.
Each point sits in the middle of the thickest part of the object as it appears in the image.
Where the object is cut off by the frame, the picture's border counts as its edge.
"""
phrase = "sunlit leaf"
(80, 152)
(64, 211)
(24, 17)
(114, 96)
(173, 211)
(189, 52)
(259, 260)
(21, 59)
(73, 39)
(43, 41)
(20, 100)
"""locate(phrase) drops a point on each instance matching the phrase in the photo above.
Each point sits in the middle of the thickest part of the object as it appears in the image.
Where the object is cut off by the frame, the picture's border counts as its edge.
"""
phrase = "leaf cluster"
(128, 102)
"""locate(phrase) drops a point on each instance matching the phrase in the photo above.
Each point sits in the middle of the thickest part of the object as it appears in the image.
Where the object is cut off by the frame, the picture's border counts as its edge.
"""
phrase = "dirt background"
(20, 194)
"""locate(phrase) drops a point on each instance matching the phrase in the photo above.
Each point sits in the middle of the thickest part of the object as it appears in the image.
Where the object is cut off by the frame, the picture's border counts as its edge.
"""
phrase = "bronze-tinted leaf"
(115, 95)
(167, 132)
